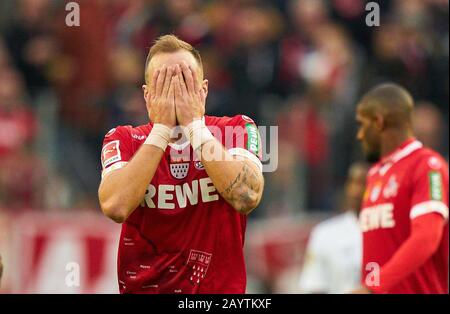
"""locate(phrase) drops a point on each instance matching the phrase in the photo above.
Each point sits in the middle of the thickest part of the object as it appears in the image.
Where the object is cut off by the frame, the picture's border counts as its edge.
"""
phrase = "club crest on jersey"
(179, 170)
(376, 191)
(391, 188)
(199, 262)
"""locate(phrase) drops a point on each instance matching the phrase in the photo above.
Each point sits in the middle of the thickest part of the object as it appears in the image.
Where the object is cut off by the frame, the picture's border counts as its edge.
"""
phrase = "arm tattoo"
(243, 188)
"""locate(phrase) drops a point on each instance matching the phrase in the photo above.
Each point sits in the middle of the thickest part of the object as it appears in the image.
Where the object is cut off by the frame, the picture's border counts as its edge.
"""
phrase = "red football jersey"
(184, 237)
(411, 182)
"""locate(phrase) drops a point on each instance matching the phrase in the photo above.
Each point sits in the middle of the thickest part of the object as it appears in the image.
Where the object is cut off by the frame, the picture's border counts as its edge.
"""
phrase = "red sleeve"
(242, 139)
(242, 133)
(116, 149)
(426, 234)
(430, 187)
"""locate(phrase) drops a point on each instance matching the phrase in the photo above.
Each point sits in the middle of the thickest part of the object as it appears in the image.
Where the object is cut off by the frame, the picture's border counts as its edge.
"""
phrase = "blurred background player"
(183, 200)
(404, 217)
(428, 125)
(333, 255)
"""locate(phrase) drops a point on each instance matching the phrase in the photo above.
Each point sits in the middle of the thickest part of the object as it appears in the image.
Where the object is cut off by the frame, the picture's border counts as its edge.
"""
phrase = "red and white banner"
(59, 253)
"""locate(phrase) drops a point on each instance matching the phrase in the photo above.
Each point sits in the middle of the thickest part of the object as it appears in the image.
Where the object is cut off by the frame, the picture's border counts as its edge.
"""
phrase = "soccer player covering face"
(405, 206)
(182, 184)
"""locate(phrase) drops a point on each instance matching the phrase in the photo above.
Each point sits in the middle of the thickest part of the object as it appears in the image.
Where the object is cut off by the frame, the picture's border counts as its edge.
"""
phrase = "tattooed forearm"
(244, 192)
(238, 180)
(235, 182)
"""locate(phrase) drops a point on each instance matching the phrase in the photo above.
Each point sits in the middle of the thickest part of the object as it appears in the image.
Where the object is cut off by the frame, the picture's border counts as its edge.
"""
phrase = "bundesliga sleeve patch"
(253, 143)
(110, 153)
(435, 178)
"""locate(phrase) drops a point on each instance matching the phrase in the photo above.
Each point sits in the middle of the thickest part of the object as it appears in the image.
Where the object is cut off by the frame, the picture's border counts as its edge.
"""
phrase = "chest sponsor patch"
(377, 217)
(435, 179)
(111, 153)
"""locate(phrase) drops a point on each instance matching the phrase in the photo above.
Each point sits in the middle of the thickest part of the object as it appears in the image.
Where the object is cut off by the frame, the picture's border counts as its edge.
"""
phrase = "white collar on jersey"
(406, 151)
(395, 157)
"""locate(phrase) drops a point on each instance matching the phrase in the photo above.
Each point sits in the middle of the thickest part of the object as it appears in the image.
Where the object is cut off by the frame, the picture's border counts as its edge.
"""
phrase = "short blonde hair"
(168, 44)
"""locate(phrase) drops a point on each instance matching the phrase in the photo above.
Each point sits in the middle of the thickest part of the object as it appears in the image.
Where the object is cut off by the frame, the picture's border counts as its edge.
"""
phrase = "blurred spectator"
(428, 125)
(303, 126)
(31, 43)
(21, 172)
(125, 100)
(253, 65)
(86, 50)
(334, 251)
(4, 55)
(282, 197)
(17, 123)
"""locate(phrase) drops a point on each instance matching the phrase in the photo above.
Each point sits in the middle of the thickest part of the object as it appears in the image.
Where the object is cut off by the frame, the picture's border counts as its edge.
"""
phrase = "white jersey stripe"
(237, 151)
(429, 207)
(115, 166)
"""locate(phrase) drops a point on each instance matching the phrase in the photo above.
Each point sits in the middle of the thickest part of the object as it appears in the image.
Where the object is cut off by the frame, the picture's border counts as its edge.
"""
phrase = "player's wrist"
(159, 136)
(198, 133)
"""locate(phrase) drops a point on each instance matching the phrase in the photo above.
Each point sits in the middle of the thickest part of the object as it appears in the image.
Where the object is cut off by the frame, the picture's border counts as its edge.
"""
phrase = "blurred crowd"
(299, 64)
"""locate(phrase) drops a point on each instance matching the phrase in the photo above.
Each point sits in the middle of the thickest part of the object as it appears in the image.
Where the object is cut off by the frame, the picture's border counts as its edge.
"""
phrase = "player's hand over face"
(189, 96)
(161, 103)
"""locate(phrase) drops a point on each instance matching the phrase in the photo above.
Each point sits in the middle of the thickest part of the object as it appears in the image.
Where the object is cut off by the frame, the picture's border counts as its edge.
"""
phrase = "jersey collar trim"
(406, 149)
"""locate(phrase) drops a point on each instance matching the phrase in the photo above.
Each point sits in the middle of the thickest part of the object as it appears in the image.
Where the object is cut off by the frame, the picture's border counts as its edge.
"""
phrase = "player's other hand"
(190, 97)
(160, 101)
